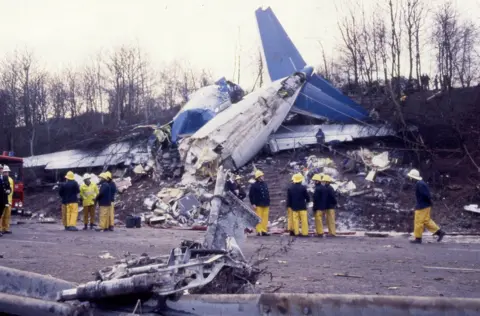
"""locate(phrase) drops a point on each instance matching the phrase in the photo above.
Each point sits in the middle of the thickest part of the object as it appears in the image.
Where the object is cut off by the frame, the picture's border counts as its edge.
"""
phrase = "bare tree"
(395, 43)
(71, 78)
(467, 63)
(349, 29)
(10, 84)
(408, 13)
(446, 39)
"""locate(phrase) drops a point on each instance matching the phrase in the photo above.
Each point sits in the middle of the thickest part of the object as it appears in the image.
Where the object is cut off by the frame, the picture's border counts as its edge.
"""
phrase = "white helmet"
(87, 176)
(414, 174)
(6, 169)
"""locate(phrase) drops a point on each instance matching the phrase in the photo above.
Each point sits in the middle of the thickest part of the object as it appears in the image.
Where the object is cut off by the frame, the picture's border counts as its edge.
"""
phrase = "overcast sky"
(203, 33)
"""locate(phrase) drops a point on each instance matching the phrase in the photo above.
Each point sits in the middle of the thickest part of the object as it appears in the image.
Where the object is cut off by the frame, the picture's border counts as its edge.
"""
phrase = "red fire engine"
(16, 166)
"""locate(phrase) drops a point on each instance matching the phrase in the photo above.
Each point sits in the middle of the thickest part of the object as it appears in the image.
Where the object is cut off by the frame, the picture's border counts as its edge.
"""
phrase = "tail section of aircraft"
(318, 97)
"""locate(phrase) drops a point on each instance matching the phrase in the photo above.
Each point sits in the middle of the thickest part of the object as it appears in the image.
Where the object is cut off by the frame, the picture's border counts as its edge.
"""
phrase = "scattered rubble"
(472, 208)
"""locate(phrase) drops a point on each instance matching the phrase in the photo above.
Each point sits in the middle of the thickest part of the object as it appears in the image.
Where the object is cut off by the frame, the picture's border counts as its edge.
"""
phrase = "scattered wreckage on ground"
(197, 278)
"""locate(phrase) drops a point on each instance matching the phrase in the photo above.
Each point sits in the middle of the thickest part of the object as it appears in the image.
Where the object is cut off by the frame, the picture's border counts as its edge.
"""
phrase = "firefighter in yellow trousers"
(69, 193)
(7, 212)
(113, 191)
(260, 200)
(297, 199)
(324, 202)
(423, 209)
(104, 199)
(88, 194)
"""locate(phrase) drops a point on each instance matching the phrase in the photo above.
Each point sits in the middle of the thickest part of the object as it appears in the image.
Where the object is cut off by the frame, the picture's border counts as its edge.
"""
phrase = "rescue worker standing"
(70, 191)
(260, 200)
(7, 212)
(423, 209)
(326, 205)
(104, 199)
(289, 217)
(113, 191)
(297, 199)
(5, 190)
(318, 194)
(234, 186)
(64, 209)
(88, 194)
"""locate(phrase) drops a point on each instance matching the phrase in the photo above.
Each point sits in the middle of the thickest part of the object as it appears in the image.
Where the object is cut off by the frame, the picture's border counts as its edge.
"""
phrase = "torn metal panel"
(113, 154)
(292, 137)
(236, 135)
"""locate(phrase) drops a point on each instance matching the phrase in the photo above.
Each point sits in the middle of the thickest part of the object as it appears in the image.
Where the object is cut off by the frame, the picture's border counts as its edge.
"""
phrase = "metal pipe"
(18, 282)
(26, 306)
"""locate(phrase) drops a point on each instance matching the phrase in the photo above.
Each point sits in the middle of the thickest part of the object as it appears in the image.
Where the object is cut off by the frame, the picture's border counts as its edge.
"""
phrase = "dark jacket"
(5, 190)
(60, 192)
(104, 197)
(259, 194)
(69, 192)
(320, 191)
(325, 198)
(422, 193)
(297, 197)
(233, 186)
(113, 190)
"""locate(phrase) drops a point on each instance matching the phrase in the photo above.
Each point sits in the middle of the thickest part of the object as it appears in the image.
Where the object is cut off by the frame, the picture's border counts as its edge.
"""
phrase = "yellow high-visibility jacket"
(88, 193)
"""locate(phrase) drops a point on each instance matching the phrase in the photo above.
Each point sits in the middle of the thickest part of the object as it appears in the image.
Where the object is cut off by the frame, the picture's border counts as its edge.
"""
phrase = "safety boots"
(440, 233)
(416, 241)
(85, 227)
(91, 226)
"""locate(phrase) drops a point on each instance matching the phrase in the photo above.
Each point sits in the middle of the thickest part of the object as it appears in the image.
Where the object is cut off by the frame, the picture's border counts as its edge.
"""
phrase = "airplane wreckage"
(223, 129)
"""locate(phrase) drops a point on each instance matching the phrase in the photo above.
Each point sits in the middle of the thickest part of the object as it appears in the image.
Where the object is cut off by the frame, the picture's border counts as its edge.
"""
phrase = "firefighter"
(289, 217)
(104, 200)
(317, 203)
(327, 205)
(423, 209)
(5, 190)
(297, 199)
(70, 192)
(260, 200)
(88, 194)
(233, 185)
(113, 191)
(7, 212)
(64, 209)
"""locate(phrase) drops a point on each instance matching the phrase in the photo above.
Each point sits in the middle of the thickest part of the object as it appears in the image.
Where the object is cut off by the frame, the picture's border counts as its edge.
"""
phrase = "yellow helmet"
(108, 175)
(103, 176)
(297, 178)
(317, 177)
(258, 174)
(327, 178)
(70, 176)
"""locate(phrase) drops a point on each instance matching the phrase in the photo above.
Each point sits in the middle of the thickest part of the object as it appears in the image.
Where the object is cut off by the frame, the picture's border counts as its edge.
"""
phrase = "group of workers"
(90, 195)
(6, 196)
(324, 203)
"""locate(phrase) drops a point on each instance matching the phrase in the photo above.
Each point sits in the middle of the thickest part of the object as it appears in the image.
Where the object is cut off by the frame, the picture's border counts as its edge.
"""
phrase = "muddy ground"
(384, 266)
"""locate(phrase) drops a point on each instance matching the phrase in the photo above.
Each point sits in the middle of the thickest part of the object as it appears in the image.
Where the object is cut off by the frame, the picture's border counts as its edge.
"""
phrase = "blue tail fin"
(318, 97)
(281, 56)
